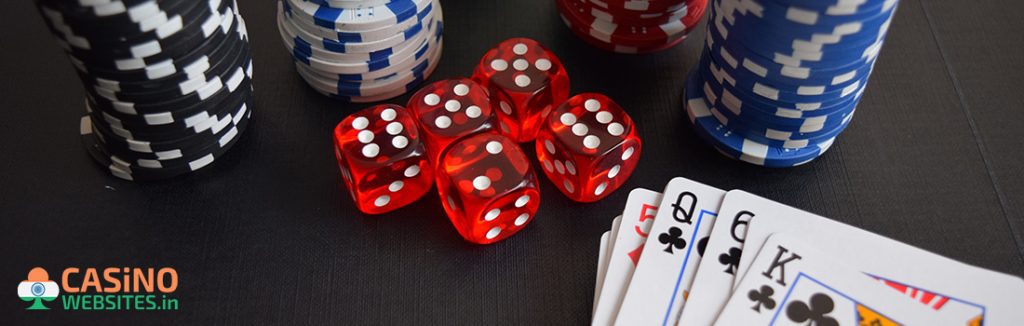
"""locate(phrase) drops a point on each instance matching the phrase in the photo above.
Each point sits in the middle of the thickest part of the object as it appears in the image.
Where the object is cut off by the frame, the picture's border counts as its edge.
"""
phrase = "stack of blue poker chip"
(779, 80)
(168, 82)
(362, 51)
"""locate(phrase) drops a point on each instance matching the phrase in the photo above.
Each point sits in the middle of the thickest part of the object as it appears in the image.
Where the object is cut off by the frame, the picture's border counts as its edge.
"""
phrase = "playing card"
(670, 257)
(601, 262)
(953, 290)
(637, 218)
(793, 283)
(713, 282)
(602, 259)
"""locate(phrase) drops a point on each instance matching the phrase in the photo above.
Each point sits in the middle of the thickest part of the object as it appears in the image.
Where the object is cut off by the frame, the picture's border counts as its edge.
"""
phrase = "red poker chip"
(626, 35)
(629, 18)
(638, 6)
(583, 32)
(689, 8)
(626, 49)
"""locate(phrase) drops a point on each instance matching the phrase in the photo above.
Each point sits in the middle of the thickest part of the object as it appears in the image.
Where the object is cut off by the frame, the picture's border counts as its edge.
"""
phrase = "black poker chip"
(171, 135)
(161, 45)
(155, 58)
(168, 74)
(113, 20)
(168, 83)
(199, 67)
(184, 95)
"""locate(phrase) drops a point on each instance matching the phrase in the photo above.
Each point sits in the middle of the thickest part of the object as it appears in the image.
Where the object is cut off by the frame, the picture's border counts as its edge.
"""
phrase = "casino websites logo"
(102, 289)
(38, 288)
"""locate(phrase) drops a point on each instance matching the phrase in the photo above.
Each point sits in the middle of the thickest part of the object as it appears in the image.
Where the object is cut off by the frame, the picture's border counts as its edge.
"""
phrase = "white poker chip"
(357, 19)
(362, 52)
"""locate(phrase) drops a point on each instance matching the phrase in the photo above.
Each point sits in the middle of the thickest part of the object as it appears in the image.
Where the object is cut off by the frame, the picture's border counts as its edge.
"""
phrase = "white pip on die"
(588, 147)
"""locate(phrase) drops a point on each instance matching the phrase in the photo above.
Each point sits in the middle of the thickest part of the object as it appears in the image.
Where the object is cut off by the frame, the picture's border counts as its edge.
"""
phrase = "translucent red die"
(382, 158)
(588, 147)
(487, 187)
(451, 109)
(525, 82)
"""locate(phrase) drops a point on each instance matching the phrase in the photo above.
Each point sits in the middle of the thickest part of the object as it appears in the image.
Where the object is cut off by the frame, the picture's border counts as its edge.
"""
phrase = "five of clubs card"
(696, 255)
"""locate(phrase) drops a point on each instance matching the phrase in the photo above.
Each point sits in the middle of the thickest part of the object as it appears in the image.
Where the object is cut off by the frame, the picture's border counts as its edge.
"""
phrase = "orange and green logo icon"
(38, 288)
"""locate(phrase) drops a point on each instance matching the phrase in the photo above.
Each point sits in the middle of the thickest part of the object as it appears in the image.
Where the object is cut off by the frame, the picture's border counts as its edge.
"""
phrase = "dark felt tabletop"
(934, 158)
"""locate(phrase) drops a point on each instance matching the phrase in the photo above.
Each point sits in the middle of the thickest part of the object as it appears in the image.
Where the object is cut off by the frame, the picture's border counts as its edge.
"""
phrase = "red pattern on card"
(932, 300)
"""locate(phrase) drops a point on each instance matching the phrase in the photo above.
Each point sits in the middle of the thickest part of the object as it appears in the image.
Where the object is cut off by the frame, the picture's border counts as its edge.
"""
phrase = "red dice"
(382, 159)
(451, 109)
(588, 147)
(525, 82)
(487, 187)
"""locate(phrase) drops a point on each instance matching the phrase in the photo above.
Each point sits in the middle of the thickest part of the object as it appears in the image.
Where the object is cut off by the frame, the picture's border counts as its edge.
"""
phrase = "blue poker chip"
(779, 80)
(737, 56)
(775, 92)
(801, 136)
(746, 105)
(766, 32)
(734, 109)
(848, 5)
(842, 38)
(812, 50)
(802, 21)
(737, 145)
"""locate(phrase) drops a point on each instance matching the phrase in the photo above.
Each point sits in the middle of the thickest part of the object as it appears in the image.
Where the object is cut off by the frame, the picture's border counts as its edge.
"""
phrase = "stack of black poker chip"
(168, 82)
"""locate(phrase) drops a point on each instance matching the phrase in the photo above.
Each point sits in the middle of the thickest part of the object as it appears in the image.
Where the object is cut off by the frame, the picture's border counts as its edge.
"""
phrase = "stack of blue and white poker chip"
(779, 79)
(359, 50)
(168, 82)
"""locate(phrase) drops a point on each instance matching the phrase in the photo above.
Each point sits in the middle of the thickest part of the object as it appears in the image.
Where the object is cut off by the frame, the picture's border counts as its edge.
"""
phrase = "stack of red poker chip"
(632, 26)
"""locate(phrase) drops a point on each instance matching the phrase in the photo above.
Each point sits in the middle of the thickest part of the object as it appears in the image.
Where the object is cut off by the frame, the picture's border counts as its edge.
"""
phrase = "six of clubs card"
(773, 264)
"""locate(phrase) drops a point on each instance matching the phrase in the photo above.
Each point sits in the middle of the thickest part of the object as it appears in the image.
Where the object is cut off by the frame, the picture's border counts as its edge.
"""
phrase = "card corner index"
(642, 192)
(739, 193)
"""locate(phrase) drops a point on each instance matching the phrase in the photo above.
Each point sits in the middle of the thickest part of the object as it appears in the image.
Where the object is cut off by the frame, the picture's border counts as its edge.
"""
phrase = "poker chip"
(362, 51)
(632, 26)
(779, 80)
(168, 82)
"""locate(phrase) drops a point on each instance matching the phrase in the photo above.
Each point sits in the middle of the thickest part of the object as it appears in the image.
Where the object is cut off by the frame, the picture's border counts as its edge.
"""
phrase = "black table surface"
(266, 236)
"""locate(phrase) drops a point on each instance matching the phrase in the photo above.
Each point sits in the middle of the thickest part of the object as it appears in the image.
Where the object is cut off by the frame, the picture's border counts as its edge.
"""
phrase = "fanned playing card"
(713, 282)
(953, 290)
(662, 279)
(793, 283)
(602, 258)
(637, 218)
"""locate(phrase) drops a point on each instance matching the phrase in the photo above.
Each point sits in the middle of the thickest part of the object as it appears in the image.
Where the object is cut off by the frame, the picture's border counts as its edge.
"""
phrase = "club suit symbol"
(673, 239)
(815, 312)
(730, 259)
(762, 298)
(38, 288)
